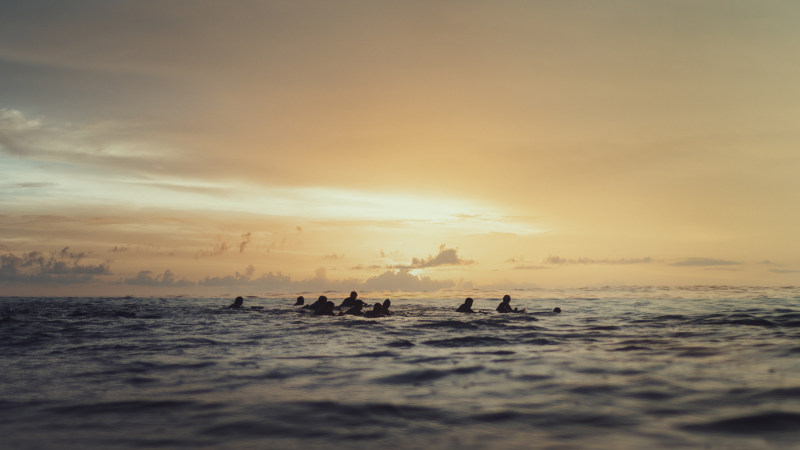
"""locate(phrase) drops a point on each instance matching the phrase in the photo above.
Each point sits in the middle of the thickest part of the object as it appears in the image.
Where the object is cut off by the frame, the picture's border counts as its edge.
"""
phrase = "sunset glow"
(280, 146)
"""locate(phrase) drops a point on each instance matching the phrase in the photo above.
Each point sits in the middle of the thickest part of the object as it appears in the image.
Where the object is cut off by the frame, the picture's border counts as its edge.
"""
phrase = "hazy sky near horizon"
(301, 145)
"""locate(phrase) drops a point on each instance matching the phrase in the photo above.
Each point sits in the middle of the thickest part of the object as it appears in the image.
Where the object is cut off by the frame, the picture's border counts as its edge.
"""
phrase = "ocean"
(619, 367)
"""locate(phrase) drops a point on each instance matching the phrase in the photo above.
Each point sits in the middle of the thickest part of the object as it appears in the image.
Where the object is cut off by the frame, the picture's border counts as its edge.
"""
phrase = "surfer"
(505, 305)
(356, 310)
(349, 302)
(300, 301)
(317, 305)
(237, 303)
(466, 307)
(385, 307)
(325, 310)
(377, 311)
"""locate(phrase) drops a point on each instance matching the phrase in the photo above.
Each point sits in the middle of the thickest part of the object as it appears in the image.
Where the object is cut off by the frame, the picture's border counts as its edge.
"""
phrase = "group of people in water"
(352, 306)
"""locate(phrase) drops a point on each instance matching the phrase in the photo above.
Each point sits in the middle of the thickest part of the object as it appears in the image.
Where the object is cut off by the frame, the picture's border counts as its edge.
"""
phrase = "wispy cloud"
(557, 260)
(701, 262)
(245, 241)
(530, 267)
(217, 248)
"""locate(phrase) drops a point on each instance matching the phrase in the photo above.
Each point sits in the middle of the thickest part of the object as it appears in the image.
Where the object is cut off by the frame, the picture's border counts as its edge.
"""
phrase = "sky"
(307, 146)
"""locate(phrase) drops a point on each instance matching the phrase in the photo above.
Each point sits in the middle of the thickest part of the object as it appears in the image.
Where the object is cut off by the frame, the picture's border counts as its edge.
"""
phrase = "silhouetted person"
(237, 303)
(385, 307)
(505, 305)
(325, 310)
(349, 302)
(356, 310)
(556, 310)
(317, 305)
(300, 301)
(377, 311)
(466, 307)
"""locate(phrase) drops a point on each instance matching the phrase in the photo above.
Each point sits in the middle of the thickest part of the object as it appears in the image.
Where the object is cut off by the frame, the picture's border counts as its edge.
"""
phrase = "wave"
(422, 376)
(754, 424)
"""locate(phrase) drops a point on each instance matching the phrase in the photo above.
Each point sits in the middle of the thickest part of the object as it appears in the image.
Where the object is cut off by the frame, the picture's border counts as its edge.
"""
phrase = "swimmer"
(237, 303)
(325, 310)
(505, 305)
(466, 307)
(300, 301)
(385, 307)
(556, 310)
(349, 302)
(377, 311)
(356, 310)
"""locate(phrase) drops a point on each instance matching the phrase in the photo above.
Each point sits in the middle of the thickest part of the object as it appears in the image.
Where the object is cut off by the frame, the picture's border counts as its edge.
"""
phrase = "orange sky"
(279, 146)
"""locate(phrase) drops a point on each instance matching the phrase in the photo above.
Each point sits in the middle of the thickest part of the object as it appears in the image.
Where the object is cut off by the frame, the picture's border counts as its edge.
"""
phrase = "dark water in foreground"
(644, 367)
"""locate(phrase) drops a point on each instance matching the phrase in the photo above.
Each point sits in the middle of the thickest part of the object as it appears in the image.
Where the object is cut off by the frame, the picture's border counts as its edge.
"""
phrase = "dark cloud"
(784, 271)
(146, 278)
(63, 267)
(557, 260)
(700, 262)
(445, 257)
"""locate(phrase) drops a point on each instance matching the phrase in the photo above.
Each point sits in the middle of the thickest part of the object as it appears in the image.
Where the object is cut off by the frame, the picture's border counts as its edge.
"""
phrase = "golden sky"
(293, 146)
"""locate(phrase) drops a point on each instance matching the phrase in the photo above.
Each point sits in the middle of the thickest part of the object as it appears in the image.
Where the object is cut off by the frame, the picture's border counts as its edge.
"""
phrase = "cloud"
(146, 278)
(230, 280)
(334, 256)
(62, 267)
(402, 280)
(529, 267)
(245, 241)
(15, 132)
(701, 262)
(557, 260)
(445, 257)
(784, 271)
(217, 249)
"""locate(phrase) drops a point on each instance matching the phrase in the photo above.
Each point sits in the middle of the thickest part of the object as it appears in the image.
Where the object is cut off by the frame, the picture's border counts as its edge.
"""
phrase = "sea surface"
(620, 367)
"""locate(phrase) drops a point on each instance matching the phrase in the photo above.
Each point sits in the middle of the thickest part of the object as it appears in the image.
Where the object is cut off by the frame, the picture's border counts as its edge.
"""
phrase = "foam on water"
(620, 367)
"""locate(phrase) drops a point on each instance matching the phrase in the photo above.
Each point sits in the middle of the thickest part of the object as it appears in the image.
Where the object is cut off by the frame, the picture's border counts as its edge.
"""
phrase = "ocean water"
(620, 367)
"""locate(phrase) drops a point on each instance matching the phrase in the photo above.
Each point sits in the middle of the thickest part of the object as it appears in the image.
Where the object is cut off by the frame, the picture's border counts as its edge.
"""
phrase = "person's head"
(239, 300)
(506, 298)
(300, 300)
(468, 301)
(556, 309)
(377, 307)
(387, 303)
(353, 294)
(322, 299)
